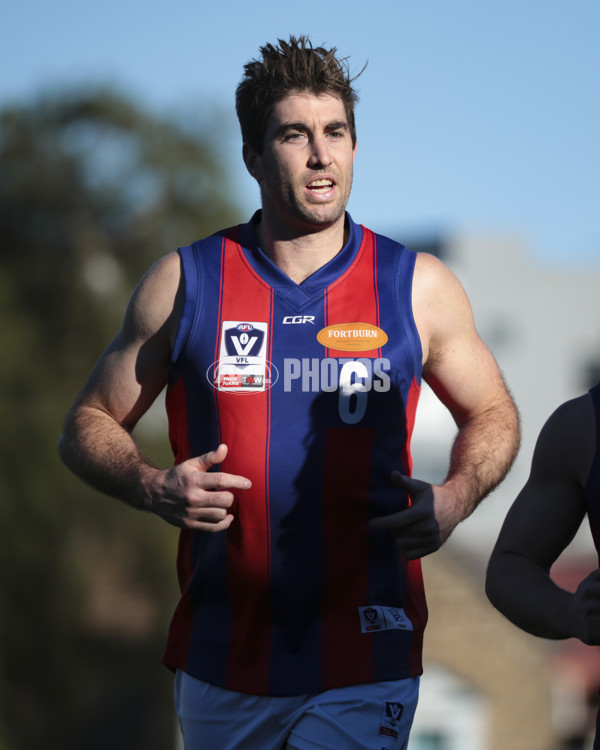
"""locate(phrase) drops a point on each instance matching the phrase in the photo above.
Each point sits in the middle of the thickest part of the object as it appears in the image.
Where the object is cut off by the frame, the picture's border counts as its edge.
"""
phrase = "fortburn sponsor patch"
(352, 337)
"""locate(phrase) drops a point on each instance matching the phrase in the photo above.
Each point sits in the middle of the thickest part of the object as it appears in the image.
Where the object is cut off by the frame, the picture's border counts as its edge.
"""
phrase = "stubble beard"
(314, 216)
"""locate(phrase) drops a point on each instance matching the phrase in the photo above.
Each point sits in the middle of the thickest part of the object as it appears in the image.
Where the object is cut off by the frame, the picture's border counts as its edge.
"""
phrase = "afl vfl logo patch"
(242, 366)
(352, 337)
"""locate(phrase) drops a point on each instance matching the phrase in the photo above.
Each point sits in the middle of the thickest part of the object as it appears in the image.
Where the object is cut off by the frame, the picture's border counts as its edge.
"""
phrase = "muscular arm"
(97, 442)
(540, 525)
(464, 375)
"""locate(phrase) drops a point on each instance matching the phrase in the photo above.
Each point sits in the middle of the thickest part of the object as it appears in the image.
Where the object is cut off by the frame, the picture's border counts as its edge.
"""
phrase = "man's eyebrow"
(303, 127)
(337, 125)
(287, 126)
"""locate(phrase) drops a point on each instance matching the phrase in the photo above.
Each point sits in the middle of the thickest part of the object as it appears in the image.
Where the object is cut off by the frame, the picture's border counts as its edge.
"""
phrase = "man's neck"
(300, 255)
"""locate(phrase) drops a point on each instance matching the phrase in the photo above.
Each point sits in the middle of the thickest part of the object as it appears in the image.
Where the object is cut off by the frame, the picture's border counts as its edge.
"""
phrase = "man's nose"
(319, 156)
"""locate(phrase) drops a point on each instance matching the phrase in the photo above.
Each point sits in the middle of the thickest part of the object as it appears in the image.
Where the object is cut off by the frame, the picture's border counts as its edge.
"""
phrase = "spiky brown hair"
(283, 69)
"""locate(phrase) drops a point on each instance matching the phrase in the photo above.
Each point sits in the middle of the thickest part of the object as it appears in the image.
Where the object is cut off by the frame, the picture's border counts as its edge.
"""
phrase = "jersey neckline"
(317, 281)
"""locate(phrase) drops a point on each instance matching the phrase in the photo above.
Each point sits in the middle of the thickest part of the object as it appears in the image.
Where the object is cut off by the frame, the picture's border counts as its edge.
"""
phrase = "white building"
(543, 325)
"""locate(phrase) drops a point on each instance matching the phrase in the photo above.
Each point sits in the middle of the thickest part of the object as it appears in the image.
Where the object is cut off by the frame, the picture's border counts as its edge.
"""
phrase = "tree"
(93, 189)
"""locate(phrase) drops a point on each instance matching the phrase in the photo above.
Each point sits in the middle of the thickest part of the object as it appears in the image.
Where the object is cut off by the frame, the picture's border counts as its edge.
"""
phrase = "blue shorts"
(375, 716)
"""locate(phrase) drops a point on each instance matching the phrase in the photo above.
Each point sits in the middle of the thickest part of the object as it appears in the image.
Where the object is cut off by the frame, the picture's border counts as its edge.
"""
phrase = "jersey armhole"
(192, 303)
(405, 268)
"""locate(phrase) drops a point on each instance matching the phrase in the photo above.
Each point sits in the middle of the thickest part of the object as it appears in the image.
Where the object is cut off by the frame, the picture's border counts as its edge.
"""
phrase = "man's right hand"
(190, 496)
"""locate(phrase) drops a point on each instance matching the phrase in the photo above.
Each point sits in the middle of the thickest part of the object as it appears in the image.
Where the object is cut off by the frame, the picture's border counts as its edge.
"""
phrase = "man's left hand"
(417, 529)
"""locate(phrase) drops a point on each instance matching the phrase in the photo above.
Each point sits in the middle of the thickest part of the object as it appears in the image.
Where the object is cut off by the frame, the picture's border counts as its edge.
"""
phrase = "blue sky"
(473, 115)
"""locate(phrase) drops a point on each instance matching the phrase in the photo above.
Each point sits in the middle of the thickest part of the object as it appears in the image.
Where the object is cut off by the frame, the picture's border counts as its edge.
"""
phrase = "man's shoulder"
(389, 249)
(383, 239)
(433, 276)
(594, 394)
(568, 437)
(213, 240)
(569, 416)
(242, 233)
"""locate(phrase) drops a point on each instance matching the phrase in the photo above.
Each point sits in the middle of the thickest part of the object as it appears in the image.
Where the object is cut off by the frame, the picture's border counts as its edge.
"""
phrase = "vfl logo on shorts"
(242, 366)
(373, 619)
(390, 719)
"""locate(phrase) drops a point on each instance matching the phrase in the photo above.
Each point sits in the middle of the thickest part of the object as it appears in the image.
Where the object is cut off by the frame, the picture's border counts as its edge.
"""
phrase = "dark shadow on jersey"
(343, 482)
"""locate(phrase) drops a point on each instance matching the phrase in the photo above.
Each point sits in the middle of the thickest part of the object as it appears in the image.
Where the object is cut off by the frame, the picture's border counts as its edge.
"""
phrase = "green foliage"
(93, 189)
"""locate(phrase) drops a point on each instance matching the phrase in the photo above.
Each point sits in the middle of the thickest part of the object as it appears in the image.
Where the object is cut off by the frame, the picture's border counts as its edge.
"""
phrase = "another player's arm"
(464, 375)
(97, 442)
(540, 525)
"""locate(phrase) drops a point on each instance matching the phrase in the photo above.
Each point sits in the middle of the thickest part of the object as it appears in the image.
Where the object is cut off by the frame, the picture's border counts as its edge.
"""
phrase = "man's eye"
(294, 136)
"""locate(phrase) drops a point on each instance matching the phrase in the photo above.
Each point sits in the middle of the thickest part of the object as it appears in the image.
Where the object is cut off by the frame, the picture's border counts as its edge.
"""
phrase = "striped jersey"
(314, 388)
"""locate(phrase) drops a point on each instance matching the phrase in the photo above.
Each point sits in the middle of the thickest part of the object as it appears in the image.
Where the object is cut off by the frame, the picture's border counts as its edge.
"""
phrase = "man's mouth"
(320, 186)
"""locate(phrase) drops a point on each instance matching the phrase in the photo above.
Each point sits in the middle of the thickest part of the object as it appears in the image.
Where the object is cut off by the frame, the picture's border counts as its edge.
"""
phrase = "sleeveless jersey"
(314, 388)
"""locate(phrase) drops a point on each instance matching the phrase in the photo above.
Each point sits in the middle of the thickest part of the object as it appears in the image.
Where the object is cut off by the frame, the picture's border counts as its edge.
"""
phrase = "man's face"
(305, 170)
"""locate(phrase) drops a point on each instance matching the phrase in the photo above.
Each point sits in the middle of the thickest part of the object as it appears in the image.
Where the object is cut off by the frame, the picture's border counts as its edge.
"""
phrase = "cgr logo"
(297, 319)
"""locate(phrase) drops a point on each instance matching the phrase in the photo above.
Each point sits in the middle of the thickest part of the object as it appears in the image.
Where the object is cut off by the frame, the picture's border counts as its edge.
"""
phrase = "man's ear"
(252, 161)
